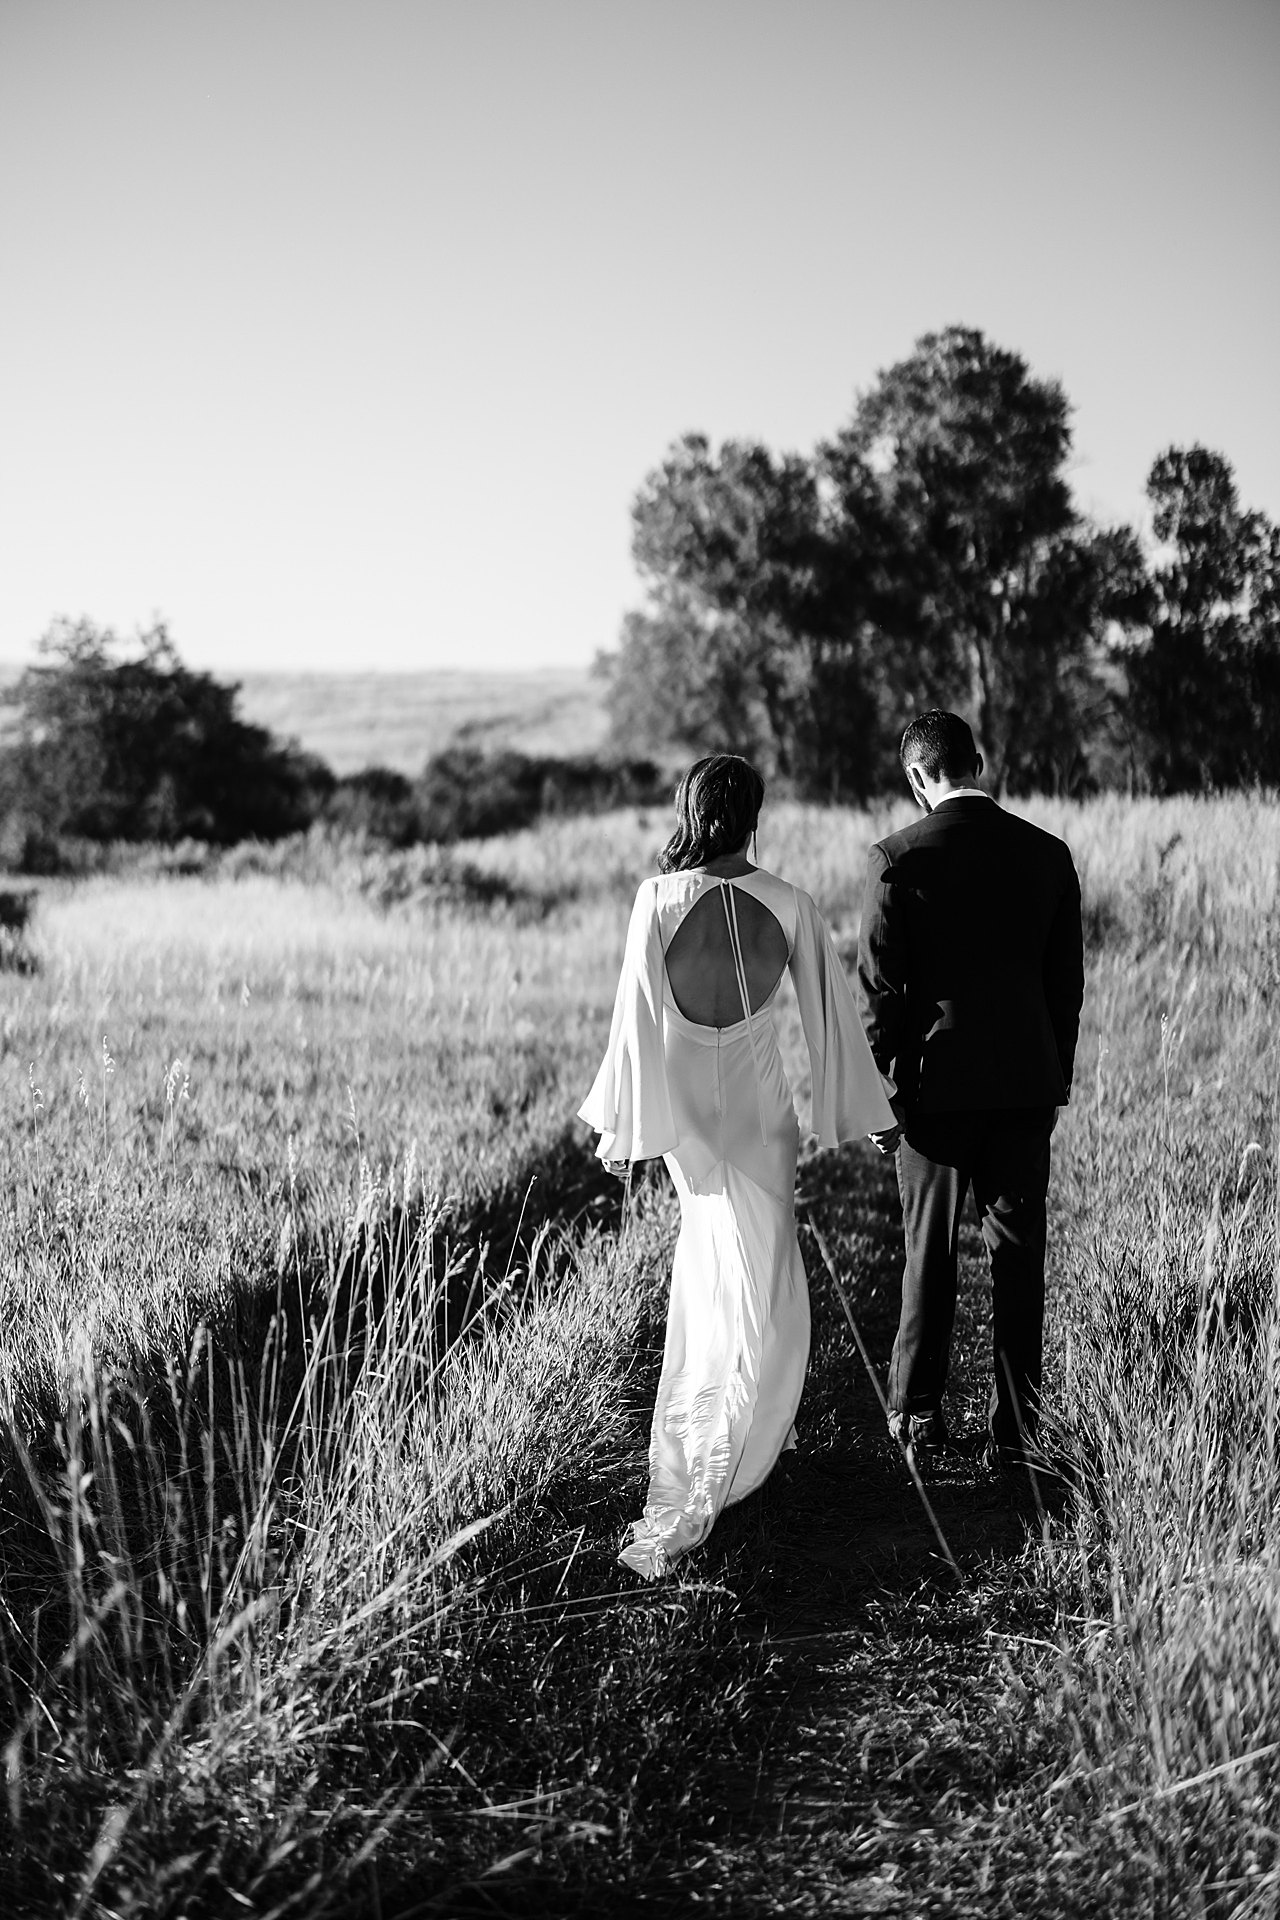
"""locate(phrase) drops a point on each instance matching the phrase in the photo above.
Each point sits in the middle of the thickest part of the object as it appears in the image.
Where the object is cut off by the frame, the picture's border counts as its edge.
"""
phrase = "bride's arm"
(629, 1104)
(849, 1099)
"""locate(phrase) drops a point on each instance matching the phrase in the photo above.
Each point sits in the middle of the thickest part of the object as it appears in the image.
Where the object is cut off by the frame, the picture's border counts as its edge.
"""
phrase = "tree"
(686, 676)
(1000, 594)
(747, 642)
(121, 741)
(1204, 680)
(801, 611)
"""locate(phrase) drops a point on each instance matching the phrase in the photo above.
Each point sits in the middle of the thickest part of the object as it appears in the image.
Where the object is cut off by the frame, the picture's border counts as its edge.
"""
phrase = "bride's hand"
(618, 1168)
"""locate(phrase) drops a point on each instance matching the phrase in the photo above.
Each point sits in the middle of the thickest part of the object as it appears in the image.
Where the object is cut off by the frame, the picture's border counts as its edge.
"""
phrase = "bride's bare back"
(700, 965)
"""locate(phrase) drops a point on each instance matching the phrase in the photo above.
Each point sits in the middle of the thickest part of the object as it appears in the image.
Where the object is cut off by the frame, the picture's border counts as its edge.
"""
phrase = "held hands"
(886, 1141)
(618, 1168)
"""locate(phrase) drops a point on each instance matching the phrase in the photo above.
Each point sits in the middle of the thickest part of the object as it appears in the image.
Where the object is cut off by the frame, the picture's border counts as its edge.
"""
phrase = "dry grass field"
(356, 720)
(324, 1381)
(397, 719)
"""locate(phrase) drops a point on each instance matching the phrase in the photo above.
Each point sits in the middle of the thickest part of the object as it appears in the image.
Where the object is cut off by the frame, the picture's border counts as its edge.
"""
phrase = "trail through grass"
(327, 1363)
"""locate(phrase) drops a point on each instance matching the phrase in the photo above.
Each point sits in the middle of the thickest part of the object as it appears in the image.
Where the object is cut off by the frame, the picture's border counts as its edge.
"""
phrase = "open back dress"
(716, 1104)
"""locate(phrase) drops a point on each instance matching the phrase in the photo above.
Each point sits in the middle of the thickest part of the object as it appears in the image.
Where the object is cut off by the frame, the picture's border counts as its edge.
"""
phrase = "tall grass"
(1170, 1379)
(293, 1622)
(315, 1447)
(1148, 1714)
(248, 1612)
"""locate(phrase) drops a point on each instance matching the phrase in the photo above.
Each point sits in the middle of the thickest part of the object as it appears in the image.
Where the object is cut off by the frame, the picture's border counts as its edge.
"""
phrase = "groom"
(971, 967)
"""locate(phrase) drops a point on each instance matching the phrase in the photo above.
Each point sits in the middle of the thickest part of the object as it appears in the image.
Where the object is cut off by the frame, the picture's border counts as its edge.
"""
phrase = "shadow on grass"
(875, 1681)
(142, 1478)
(816, 1673)
(883, 1693)
(144, 1468)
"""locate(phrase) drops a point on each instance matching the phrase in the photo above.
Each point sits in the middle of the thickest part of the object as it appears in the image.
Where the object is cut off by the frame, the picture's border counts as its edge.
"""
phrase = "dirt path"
(885, 1731)
(880, 1736)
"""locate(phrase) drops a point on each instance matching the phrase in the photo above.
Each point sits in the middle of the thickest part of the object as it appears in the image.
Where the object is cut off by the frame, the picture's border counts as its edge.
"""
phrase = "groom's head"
(938, 754)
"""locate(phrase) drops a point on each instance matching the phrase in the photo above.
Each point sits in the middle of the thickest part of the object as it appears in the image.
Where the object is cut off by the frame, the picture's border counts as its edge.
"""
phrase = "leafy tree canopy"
(1204, 679)
(928, 554)
(116, 740)
(754, 636)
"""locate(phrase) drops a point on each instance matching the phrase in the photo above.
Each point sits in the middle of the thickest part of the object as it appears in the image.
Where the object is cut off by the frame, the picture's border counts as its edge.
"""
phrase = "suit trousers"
(1003, 1154)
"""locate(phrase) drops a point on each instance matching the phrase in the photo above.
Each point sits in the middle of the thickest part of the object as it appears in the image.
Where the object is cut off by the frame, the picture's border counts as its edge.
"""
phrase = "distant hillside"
(355, 720)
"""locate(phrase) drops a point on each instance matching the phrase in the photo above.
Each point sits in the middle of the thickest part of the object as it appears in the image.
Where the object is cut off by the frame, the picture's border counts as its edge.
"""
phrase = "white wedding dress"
(716, 1104)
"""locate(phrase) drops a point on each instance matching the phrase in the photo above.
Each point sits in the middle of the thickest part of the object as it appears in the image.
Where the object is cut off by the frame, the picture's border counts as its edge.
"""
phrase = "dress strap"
(739, 967)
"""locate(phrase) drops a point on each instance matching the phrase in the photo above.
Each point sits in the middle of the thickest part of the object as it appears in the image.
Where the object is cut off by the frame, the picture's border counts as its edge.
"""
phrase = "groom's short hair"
(941, 745)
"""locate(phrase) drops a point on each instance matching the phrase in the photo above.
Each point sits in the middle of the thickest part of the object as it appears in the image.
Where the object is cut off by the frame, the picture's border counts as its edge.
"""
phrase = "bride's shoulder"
(659, 892)
(779, 883)
(794, 905)
(669, 886)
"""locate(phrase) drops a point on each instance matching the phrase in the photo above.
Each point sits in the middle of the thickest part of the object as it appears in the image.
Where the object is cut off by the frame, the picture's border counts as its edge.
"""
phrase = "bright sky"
(341, 332)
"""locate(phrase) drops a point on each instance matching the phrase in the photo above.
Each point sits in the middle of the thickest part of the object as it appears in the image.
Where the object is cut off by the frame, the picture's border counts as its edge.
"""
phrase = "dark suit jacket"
(971, 961)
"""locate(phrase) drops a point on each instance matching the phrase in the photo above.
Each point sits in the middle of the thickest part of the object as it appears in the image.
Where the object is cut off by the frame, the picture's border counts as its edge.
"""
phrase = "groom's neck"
(936, 791)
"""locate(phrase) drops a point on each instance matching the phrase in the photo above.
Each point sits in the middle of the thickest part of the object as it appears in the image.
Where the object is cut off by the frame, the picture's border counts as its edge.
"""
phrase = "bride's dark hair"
(717, 805)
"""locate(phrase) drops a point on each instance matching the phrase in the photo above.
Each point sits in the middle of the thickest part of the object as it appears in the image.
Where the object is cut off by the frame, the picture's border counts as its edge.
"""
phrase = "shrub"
(377, 802)
(119, 744)
(465, 794)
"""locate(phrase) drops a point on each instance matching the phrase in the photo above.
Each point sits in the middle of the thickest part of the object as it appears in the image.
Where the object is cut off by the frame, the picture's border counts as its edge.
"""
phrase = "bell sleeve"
(849, 1100)
(629, 1104)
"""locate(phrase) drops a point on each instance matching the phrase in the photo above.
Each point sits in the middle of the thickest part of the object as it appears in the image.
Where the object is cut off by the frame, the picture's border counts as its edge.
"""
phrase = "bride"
(693, 1072)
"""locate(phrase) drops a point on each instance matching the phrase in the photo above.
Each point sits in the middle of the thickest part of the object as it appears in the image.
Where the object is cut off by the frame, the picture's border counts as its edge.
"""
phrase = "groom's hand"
(886, 1141)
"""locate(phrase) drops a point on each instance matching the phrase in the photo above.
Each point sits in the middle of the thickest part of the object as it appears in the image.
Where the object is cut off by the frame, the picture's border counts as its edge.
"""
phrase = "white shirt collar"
(961, 793)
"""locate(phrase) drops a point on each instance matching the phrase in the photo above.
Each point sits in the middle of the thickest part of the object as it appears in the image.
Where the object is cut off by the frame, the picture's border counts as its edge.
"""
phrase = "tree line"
(801, 609)
(113, 740)
(798, 610)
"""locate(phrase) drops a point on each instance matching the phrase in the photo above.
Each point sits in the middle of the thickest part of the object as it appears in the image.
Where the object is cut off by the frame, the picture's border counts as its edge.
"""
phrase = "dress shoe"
(923, 1438)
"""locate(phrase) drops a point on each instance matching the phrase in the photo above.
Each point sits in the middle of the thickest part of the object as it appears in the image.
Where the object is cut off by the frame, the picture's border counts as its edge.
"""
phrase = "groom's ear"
(916, 784)
(977, 765)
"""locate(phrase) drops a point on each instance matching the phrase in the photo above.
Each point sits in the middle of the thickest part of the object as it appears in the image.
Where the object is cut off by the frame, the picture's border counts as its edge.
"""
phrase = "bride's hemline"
(650, 1557)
